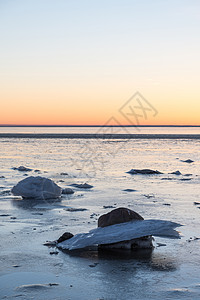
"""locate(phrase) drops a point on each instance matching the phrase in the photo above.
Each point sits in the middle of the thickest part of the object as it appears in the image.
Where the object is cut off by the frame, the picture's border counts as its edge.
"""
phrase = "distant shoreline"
(99, 126)
(97, 136)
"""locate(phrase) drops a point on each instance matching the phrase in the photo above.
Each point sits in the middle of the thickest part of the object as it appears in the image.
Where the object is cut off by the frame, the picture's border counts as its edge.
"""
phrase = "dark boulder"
(64, 237)
(118, 215)
(122, 215)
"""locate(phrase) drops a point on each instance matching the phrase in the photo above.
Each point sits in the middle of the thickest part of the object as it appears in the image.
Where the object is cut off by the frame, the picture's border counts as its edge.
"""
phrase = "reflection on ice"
(32, 203)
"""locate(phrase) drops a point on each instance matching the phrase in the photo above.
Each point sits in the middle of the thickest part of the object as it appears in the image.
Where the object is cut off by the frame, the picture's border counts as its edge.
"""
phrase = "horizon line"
(103, 125)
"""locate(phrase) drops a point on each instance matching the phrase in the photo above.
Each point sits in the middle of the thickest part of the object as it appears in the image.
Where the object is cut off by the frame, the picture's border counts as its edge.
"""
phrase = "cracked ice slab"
(122, 232)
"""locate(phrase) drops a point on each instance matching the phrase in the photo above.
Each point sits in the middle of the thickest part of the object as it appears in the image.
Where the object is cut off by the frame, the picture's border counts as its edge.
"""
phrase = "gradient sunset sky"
(77, 62)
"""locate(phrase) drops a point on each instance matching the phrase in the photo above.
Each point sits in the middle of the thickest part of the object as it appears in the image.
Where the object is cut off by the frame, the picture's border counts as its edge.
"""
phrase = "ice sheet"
(122, 232)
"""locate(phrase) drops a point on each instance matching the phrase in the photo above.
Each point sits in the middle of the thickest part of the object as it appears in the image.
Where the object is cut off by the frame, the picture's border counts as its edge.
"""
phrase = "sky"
(75, 62)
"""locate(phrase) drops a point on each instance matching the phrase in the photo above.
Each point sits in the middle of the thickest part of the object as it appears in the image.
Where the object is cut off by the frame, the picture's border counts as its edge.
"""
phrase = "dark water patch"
(30, 204)
(108, 206)
(4, 215)
(71, 209)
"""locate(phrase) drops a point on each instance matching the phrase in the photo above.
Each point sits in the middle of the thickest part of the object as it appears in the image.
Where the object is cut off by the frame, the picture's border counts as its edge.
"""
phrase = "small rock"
(53, 252)
(82, 185)
(161, 245)
(149, 196)
(189, 161)
(22, 169)
(50, 243)
(186, 179)
(144, 171)
(94, 265)
(1, 177)
(63, 173)
(108, 206)
(167, 204)
(94, 215)
(196, 203)
(129, 190)
(64, 237)
(176, 173)
(67, 191)
(13, 218)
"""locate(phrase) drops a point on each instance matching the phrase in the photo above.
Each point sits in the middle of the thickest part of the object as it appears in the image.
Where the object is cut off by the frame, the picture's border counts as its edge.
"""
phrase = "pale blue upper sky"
(113, 47)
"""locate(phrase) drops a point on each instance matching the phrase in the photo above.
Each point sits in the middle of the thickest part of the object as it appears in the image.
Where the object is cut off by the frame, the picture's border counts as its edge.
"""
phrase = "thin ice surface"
(122, 232)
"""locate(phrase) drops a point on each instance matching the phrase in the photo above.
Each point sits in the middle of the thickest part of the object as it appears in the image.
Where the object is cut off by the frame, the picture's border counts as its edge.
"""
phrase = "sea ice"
(37, 188)
(121, 232)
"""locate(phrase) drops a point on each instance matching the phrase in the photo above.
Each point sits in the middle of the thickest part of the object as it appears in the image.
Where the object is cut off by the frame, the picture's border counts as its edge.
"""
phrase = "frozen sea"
(30, 270)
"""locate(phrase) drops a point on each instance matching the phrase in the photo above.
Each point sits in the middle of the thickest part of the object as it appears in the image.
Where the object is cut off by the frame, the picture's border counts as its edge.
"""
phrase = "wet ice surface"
(28, 270)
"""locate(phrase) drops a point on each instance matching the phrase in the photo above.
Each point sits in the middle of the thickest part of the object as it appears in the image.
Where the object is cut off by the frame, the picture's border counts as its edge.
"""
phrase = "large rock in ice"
(123, 215)
(37, 188)
(118, 215)
(121, 232)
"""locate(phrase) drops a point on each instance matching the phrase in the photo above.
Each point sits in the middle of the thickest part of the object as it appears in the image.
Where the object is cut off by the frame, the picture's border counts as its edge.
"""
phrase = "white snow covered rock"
(37, 188)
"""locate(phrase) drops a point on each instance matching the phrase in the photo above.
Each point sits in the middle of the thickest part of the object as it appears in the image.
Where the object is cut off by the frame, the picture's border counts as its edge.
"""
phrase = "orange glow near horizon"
(65, 66)
(97, 112)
